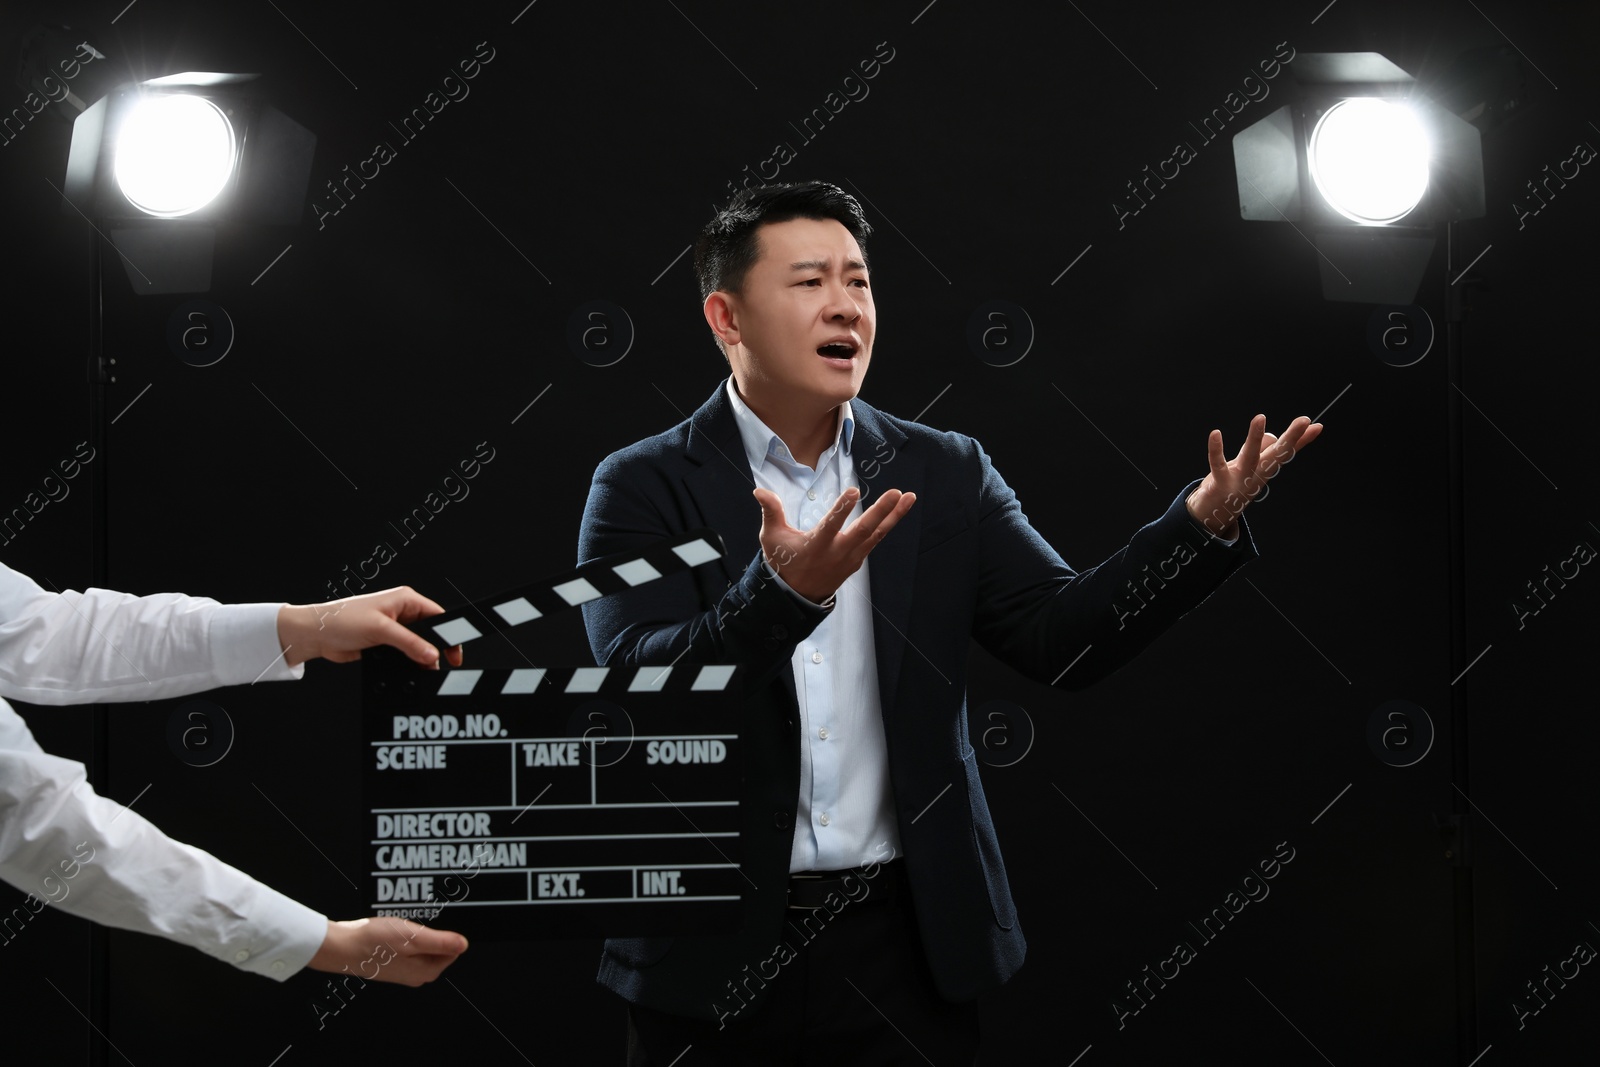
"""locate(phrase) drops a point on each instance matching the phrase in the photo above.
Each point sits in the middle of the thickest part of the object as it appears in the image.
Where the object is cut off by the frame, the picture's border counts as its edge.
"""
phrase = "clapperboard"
(518, 801)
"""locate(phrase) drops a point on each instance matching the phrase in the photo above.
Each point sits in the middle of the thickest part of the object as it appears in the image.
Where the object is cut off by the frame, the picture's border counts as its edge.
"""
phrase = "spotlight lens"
(1369, 159)
(174, 154)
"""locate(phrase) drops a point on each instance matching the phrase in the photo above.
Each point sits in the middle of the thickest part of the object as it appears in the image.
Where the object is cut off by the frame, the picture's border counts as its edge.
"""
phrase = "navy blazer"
(962, 564)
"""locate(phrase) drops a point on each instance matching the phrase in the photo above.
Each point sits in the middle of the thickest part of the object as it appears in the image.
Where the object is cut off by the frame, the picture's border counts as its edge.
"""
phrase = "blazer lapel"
(721, 483)
(882, 462)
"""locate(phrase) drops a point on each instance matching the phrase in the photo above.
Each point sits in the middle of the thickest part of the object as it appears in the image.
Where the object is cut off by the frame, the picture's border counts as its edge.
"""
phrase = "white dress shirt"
(104, 646)
(845, 814)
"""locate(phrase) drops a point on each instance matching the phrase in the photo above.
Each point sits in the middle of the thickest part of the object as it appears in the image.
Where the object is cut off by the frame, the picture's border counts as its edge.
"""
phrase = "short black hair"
(727, 246)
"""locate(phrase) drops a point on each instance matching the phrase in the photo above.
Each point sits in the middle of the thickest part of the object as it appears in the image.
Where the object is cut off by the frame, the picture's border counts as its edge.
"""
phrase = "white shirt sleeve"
(65, 845)
(98, 645)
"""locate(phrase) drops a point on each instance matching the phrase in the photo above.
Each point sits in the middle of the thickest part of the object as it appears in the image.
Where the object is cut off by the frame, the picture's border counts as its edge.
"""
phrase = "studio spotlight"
(1369, 160)
(159, 165)
(1367, 167)
(174, 154)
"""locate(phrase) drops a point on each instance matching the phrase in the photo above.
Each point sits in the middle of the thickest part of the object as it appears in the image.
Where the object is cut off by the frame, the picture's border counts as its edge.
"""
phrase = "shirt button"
(811, 494)
(823, 818)
(242, 955)
(816, 657)
(277, 966)
(823, 733)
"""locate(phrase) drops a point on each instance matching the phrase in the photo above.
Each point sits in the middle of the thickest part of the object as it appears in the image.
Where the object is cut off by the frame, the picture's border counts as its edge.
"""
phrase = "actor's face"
(802, 326)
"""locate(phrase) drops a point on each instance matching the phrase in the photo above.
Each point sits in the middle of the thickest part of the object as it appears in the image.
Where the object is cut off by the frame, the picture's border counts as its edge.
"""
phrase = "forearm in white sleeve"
(100, 645)
(90, 856)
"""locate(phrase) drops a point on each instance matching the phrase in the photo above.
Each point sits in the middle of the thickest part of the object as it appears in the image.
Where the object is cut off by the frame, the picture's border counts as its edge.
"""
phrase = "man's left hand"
(1232, 485)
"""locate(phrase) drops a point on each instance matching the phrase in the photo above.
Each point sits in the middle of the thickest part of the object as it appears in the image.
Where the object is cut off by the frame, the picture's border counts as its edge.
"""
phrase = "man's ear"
(722, 316)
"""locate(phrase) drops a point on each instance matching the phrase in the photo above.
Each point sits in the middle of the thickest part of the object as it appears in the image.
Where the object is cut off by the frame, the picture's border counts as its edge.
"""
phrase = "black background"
(425, 317)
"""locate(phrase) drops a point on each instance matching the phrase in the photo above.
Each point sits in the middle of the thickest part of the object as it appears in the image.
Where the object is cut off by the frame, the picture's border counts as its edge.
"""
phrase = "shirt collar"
(760, 441)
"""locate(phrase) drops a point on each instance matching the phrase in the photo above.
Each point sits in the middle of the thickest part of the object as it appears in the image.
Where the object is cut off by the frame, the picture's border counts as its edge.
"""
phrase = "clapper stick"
(596, 579)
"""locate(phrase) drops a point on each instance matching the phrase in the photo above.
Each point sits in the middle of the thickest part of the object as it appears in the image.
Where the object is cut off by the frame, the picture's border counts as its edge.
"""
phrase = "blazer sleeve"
(754, 622)
(1071, 628)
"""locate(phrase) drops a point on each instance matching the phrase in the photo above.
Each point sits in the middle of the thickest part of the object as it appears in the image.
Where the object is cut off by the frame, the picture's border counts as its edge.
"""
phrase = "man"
(63, 844)
(878, 907)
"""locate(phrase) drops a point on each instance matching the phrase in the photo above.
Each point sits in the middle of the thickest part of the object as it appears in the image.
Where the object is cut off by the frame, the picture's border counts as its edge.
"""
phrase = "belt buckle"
(808, 876)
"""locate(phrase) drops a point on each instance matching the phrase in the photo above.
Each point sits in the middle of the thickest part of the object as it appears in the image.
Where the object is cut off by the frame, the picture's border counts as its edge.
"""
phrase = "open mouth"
(840, 350)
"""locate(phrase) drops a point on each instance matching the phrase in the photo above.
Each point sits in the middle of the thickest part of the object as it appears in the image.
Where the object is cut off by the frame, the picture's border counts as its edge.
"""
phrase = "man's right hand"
(816, 562)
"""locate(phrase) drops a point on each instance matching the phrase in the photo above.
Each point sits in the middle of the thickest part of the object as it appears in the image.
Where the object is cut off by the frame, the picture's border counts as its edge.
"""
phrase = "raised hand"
(1232, 485)
(816, 562)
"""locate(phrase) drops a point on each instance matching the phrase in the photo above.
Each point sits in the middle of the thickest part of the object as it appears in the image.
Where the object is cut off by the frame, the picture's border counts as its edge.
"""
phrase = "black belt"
(873, 882)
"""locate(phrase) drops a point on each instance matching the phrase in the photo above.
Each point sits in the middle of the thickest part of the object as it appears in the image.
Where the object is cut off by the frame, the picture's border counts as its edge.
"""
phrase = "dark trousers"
(857, 992)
